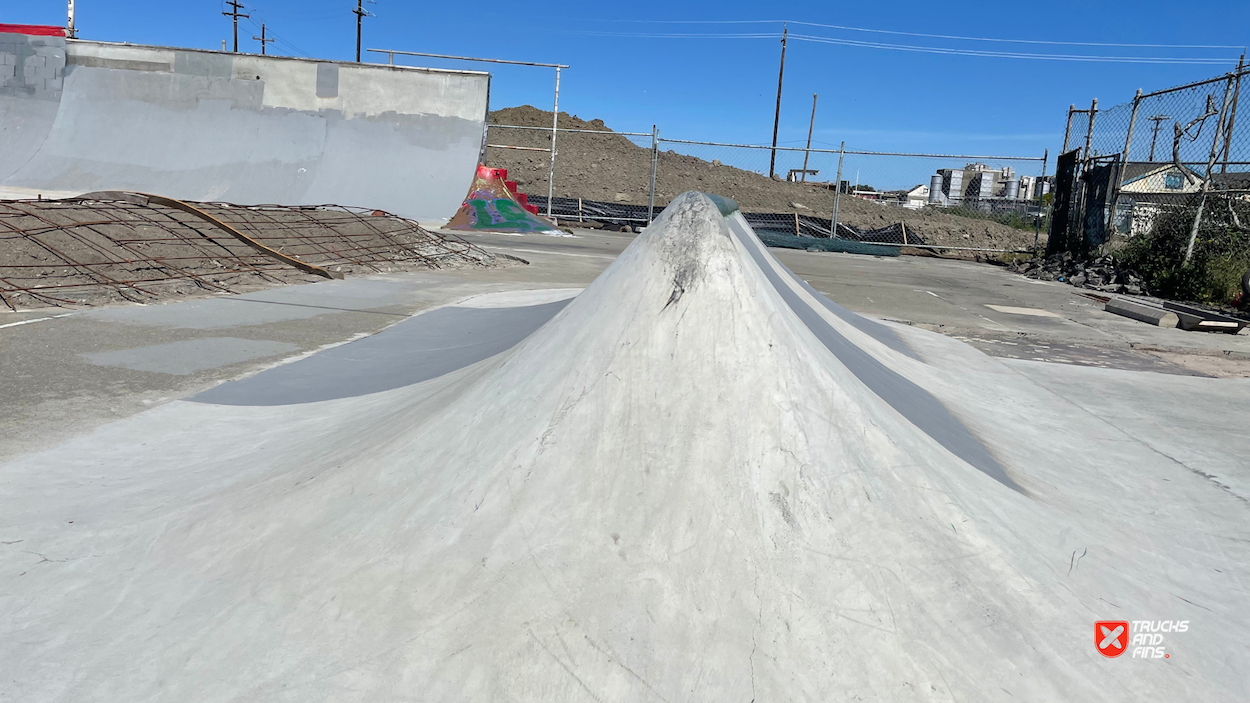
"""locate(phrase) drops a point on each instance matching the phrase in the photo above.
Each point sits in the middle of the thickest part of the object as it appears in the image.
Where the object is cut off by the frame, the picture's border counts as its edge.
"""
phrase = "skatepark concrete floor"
(661, 467)
(66, 373)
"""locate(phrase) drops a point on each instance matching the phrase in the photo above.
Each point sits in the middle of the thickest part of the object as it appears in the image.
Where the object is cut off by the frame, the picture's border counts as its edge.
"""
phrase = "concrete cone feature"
(696, 481)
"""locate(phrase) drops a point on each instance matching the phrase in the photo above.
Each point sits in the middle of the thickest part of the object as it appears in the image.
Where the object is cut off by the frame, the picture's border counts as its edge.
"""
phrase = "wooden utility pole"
(235, 14)
(1154, 134)
(810, 125)
(772, 161)
(360, 13)
(263, 41)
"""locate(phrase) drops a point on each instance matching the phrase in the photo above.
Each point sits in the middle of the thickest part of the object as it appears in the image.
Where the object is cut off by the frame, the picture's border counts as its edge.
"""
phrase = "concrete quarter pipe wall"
(79, 116)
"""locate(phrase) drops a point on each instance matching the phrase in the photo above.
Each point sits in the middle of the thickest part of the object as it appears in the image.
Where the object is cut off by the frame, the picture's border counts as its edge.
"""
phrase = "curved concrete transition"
(695, 482)
(80, 116)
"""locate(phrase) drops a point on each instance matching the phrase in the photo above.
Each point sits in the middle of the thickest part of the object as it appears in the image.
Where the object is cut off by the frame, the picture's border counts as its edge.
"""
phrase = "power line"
(1018, 41)
(921, 49)
(930, 36)
(665, 35)
(277, 38)
(1013, 55)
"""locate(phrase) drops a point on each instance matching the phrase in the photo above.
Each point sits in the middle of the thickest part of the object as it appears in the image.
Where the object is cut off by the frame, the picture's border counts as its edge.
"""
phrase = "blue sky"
(723, 89)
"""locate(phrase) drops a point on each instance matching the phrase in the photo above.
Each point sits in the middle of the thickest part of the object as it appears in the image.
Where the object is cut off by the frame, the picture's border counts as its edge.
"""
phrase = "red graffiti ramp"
(493, 205)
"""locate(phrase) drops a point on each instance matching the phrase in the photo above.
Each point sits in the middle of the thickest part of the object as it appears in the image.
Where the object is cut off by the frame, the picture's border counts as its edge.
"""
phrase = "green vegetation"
(1221, 252)
(1011, 219)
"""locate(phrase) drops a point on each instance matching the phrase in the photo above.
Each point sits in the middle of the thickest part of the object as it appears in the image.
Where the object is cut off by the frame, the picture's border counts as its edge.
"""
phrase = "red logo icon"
(1111, 637)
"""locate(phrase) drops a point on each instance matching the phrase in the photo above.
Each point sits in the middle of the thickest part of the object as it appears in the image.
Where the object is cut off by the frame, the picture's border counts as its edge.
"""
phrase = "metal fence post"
(810, 126)
(1067, 131)
(655, 154)
(1119, 176)
(1084, 166)
(1132, 124)
(1206, 177)
(1089, 133)
(1232, 113)
(555, 123)
(1041, 184)
(837, 193)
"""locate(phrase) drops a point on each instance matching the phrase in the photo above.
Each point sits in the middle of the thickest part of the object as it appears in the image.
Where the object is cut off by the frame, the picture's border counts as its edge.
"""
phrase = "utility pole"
(361, 13)
(70, 32)
(263, 41)
(1154, 136)
(235, 14)
(772, 161)
(810, 125)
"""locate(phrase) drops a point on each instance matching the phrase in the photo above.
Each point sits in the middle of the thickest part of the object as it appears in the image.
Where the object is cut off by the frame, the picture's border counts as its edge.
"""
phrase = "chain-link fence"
(621, 179)
(591, 165)
(1164, 182)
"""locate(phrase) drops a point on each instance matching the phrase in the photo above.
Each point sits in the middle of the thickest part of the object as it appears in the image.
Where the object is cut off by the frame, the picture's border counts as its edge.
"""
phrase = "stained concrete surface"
(421, 348)
(52, 393)
(188, 356)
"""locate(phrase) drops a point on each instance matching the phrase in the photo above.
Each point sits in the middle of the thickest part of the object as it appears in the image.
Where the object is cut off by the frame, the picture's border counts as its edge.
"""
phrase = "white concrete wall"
(205, 125)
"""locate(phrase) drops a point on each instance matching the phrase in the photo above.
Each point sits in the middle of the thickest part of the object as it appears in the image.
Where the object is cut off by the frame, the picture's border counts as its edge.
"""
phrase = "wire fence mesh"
(1077, 130)
(1163, 181)
(605, 178)
(593, 165)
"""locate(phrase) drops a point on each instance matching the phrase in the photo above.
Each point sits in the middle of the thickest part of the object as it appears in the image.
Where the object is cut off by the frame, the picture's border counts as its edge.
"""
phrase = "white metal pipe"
(555, 123)
(853, 151)
(568, 129)
(837, 194)
(518, 148)
(655, 153)
(392, 52)
(69, 26)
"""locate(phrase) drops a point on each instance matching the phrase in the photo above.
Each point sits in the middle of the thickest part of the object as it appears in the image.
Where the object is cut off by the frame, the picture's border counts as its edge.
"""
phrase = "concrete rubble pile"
(1102, 273)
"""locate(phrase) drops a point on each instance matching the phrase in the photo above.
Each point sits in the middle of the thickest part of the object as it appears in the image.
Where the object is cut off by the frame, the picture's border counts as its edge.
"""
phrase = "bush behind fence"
(1164, 182)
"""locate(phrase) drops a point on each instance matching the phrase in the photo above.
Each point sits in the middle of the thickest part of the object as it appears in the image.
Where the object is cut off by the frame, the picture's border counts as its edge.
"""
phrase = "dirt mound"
(611, 167)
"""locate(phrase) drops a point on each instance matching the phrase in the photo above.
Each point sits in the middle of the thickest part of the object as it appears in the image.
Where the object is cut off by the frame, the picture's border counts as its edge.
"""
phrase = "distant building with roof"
(1149, 189)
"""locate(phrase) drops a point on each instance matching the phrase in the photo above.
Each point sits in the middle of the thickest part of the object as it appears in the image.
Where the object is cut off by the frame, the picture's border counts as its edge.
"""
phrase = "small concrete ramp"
(494, 205)
(695, 481)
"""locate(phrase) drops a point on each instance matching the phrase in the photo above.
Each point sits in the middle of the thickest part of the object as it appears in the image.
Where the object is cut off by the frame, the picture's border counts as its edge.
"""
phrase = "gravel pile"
(611, 167)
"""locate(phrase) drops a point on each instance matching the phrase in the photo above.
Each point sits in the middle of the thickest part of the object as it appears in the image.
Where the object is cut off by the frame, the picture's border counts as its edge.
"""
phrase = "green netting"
(848, 246)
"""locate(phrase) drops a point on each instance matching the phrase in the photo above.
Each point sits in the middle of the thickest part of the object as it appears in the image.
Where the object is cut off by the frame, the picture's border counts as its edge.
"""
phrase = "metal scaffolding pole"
(837, 193)
(655, 156)
(555, 122)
